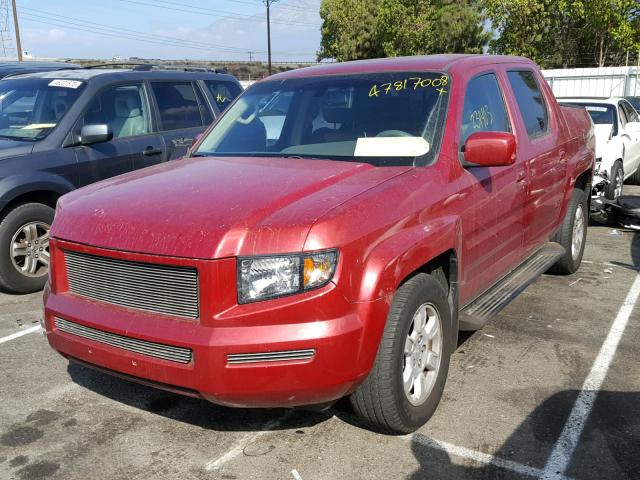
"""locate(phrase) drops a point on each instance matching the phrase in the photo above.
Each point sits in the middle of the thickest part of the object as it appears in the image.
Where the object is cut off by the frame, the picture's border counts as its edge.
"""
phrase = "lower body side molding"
(477, 313)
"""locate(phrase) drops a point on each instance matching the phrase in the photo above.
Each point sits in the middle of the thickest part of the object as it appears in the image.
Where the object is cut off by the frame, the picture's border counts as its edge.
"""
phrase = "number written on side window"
(223, 92)
(531, 103)
(484, 109)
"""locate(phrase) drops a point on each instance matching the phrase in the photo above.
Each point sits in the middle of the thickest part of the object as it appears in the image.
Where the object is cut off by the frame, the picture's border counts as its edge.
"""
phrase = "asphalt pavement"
(549, 388)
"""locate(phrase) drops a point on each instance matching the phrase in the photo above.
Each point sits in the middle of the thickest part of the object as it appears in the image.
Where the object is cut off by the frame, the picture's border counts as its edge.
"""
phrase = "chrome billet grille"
(286, 355)
(143, 347)
(162, 289)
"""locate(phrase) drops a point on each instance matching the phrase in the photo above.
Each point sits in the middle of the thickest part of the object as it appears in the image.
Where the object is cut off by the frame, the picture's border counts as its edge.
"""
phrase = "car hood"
(11, 148)
(213, 207)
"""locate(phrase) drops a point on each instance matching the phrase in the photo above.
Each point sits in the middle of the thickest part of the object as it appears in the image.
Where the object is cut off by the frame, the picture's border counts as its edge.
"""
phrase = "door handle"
(522, 175)
(150, 151)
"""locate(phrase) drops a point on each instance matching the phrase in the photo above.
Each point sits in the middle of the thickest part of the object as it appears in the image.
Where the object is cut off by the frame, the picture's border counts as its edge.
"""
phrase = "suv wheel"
(614, 189)
(24, 248)
(572, 234)
(406, 383)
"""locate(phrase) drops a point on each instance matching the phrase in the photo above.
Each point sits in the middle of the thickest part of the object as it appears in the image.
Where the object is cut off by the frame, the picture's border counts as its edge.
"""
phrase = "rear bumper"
(344, 337)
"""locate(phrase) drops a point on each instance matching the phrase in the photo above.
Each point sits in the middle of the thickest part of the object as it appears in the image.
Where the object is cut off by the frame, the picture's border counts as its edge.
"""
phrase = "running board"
(476, 314)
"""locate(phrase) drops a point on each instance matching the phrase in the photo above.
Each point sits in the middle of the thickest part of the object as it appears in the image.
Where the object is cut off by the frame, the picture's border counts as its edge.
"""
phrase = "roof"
(604, 101)
(416, 63)
(86, 74)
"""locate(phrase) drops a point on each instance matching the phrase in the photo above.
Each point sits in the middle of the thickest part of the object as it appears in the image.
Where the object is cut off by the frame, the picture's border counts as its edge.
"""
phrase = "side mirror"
(90, 134)
(490, 149)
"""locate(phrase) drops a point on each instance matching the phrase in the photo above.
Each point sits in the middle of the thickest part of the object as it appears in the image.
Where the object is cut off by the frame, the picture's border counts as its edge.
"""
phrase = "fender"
(396, 257)
(15, 185)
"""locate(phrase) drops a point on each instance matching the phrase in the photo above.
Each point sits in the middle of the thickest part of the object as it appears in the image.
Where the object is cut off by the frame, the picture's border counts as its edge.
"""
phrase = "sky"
(167, 29)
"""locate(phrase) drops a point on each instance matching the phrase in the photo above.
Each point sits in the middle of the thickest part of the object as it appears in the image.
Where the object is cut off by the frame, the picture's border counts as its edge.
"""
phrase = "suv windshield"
(30, 108)
(392, 118)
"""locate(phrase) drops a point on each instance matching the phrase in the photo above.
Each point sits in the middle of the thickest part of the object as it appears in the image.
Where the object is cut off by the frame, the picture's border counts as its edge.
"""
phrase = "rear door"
(541, 148)
(630, 137)
(125, 109)
(182, 114)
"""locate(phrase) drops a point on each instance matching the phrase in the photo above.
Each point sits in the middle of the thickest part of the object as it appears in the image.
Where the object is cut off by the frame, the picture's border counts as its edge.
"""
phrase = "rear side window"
(223, 92)
(484, 109)
(177, 105)
(531, 104)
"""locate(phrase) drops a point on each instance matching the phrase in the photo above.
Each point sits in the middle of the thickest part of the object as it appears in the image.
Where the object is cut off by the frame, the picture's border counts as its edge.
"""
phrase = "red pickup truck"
(329, 236)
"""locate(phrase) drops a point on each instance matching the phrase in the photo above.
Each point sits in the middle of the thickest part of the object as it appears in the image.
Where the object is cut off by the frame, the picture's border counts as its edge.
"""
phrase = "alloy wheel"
(29, 249)
(422, 354)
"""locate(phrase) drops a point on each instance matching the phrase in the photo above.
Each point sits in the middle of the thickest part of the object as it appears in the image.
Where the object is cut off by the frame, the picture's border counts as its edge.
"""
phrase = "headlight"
(261, 278)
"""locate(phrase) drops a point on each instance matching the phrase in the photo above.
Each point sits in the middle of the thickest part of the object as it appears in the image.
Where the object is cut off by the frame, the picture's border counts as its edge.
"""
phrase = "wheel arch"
(45, 189)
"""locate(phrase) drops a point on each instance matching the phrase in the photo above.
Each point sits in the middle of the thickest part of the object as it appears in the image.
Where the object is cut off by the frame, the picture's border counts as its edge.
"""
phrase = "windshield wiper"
(22, 139)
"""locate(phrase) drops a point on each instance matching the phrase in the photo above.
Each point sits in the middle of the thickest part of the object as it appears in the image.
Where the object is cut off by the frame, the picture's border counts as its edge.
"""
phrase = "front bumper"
(344, 337)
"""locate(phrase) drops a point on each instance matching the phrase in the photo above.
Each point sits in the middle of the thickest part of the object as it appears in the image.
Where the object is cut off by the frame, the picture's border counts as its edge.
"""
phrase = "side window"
(623, 115)
(632, 115)
(177, 105)
(484, 109)
(223, 92)
(123, 108)
(533, 108)
(204, 108)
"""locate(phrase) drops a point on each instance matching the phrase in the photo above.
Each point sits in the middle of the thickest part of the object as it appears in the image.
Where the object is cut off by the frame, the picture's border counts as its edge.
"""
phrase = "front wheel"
(614, 189)
(406, 383)
(572, 234)
(24, 248)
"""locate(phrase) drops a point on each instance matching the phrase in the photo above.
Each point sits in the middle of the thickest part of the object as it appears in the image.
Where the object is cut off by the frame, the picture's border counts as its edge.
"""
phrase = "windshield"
(600, 113)
(392, 118)
(30, 108)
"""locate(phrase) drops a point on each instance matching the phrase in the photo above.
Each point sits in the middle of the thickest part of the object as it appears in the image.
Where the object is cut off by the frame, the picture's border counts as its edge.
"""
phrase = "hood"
(11, 148)
(213, 207)
(603, 135)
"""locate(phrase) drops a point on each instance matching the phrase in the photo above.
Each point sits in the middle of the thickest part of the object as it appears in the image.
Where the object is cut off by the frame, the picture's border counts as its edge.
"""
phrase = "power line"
(127, 31)
(71, 22)
(221, 14)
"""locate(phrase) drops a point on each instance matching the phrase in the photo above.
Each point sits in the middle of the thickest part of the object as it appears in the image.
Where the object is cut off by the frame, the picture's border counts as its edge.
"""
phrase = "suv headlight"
(264, 277)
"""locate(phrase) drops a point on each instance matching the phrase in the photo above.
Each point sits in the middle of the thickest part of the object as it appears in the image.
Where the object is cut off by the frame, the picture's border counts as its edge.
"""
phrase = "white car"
(617, 130)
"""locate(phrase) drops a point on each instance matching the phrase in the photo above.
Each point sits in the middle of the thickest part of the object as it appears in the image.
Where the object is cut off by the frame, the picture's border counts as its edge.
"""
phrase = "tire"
(616, 182)
(27, 226)
(381, 399)
(576, 218)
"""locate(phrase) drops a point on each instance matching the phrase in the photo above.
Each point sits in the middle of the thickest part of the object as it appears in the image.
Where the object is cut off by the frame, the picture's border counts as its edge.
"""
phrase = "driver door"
(124, 108)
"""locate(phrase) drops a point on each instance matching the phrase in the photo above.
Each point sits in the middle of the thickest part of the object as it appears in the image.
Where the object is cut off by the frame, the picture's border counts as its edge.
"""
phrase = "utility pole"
(268, 4)
(250, 56)
(17, 29)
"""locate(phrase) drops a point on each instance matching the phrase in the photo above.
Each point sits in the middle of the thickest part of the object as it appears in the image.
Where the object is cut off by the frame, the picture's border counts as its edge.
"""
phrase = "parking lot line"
(475, 456)
(20, 334)
(246, 440)
(565, 445)
(295, 474)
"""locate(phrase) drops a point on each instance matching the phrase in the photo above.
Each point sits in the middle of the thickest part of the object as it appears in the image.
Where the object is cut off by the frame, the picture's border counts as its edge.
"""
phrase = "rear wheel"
(572, 234)
(24, 248)
(406, 383)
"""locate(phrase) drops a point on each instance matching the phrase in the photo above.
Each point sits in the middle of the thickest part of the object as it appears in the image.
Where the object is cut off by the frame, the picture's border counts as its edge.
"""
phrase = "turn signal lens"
(318, 269)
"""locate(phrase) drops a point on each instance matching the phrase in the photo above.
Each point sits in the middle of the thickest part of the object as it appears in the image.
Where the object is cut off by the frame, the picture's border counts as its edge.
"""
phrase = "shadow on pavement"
(190, 410)
(608, 446)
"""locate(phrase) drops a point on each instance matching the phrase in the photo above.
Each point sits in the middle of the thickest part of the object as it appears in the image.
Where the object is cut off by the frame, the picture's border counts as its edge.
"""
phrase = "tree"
(566, 32)
(356, 29)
